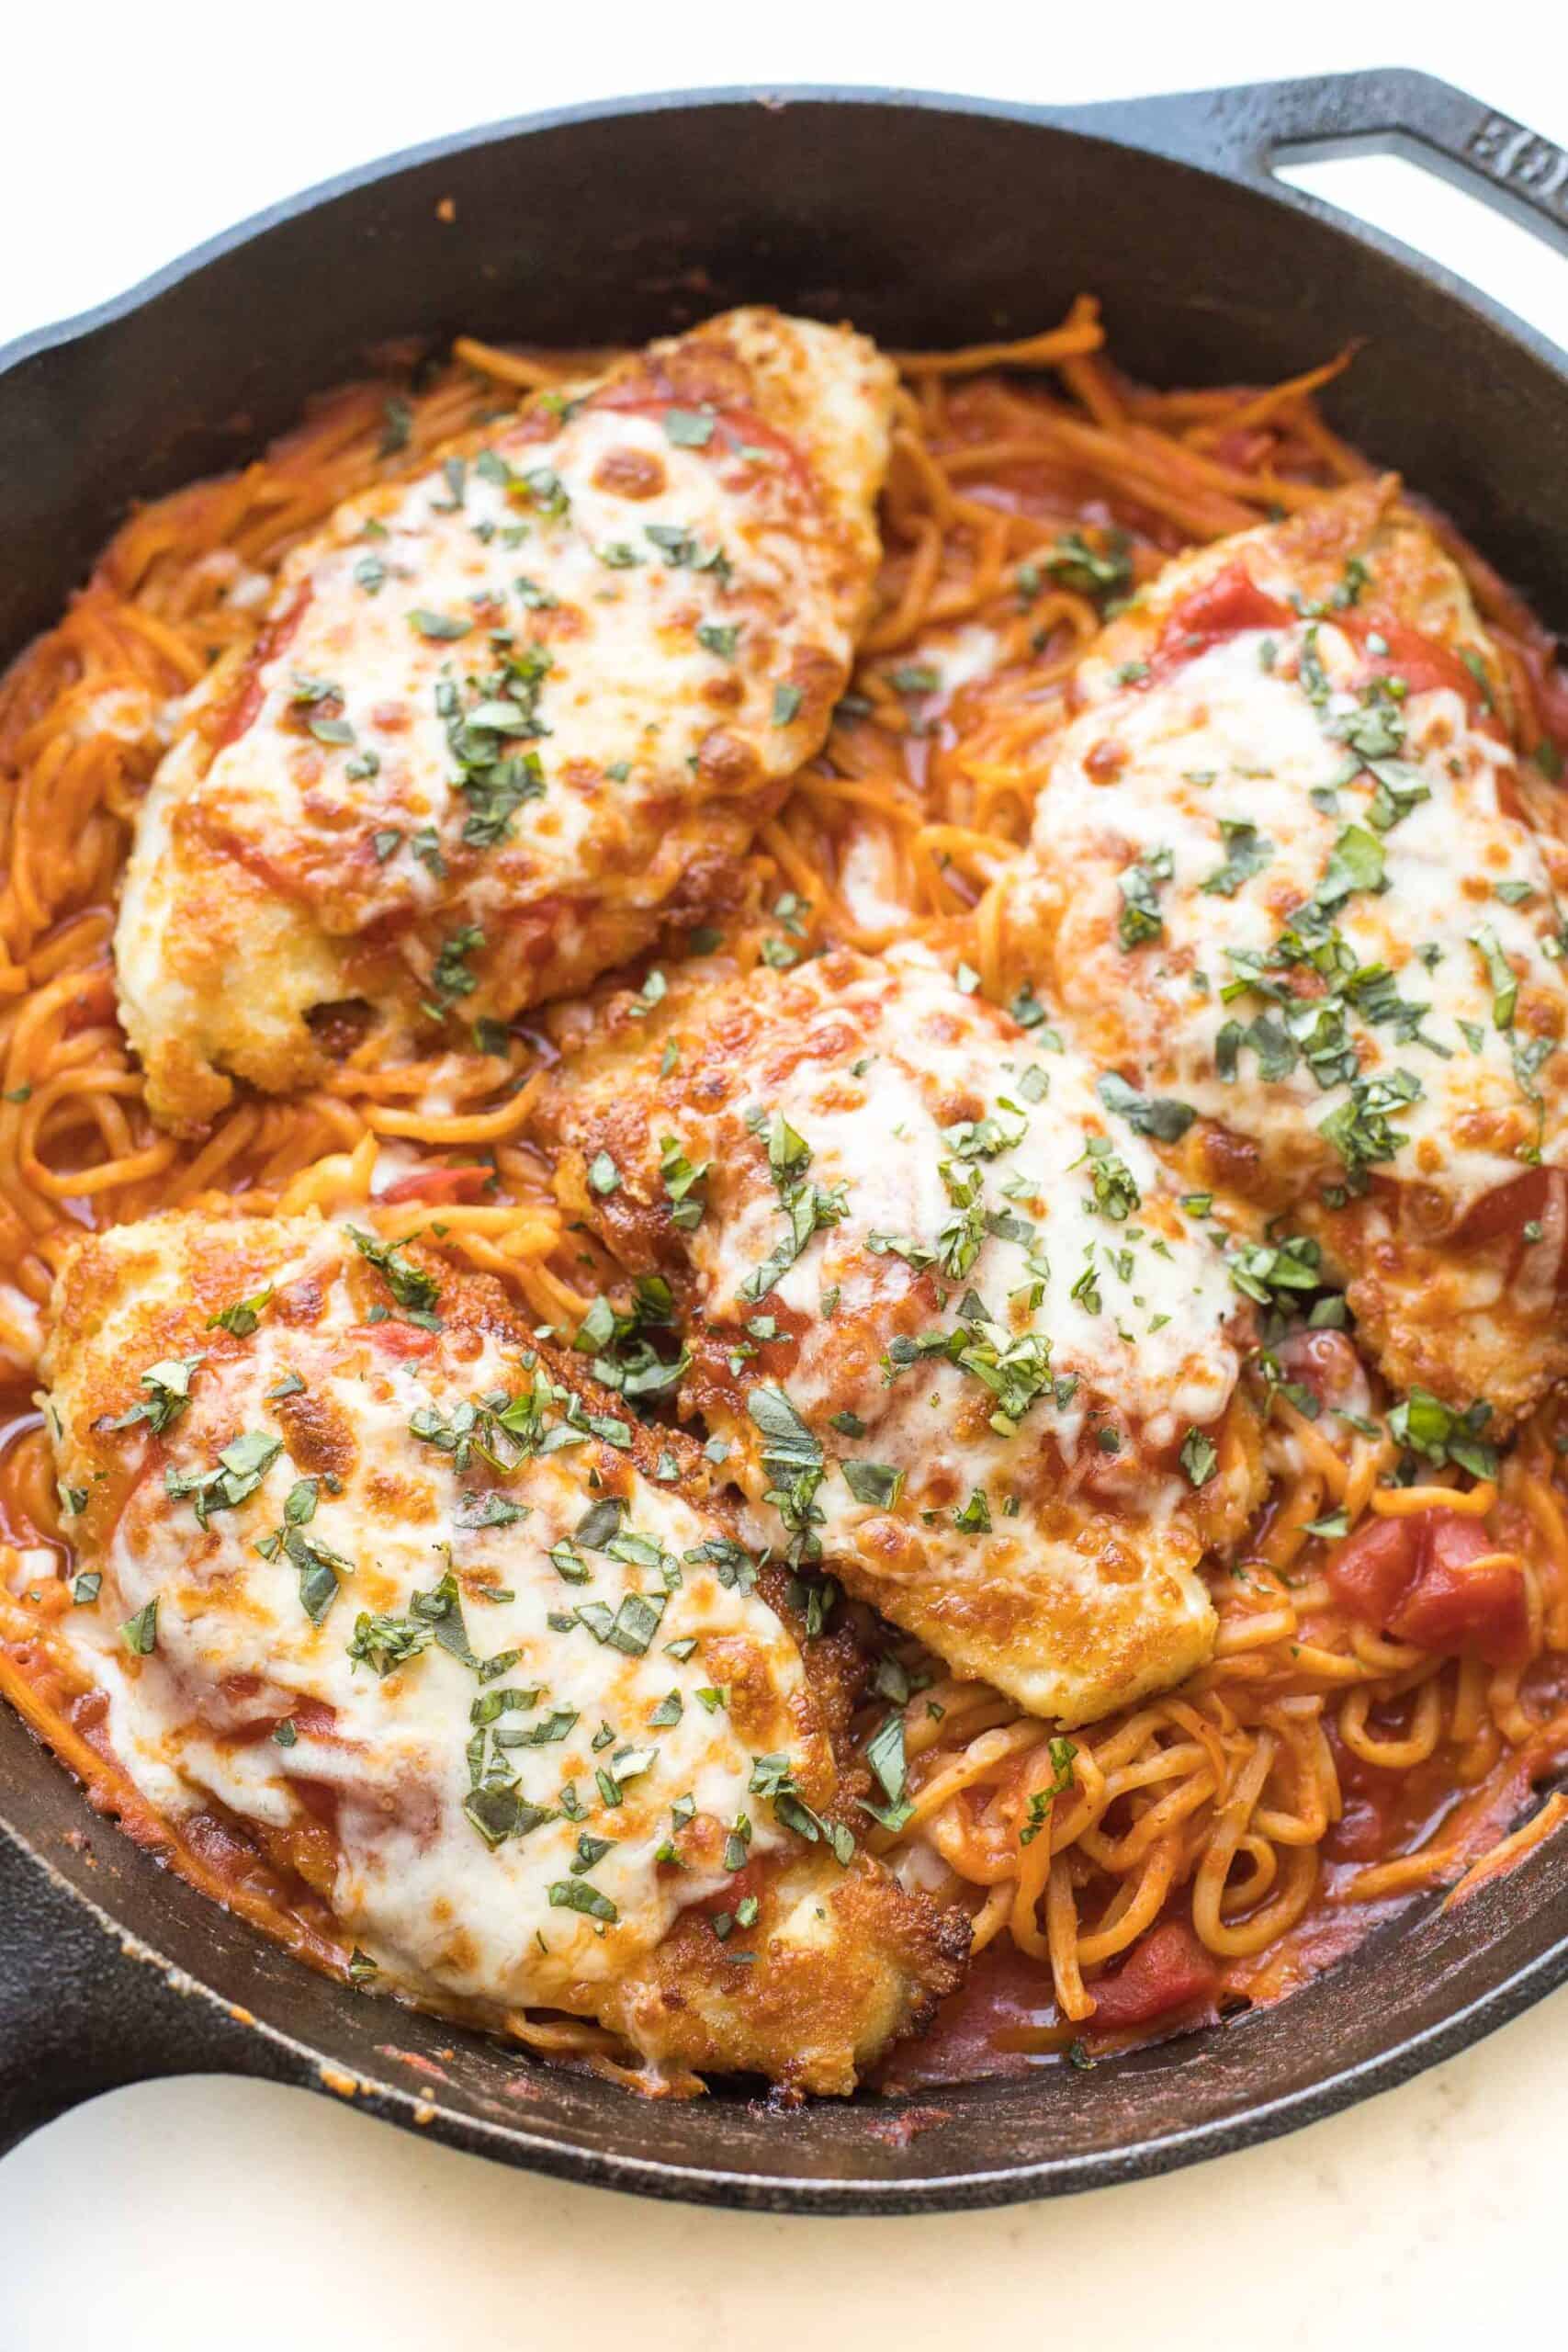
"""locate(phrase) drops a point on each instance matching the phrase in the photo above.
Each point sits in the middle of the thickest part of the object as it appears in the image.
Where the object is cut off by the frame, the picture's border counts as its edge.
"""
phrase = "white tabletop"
(206, 2213)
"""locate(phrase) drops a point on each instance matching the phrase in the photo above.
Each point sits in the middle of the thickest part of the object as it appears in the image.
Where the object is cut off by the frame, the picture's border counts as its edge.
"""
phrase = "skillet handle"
(1246, 130)
(81, 2012)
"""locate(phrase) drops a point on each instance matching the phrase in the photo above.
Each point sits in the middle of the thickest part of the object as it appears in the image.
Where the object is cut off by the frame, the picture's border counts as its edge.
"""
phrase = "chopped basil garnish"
(168, 1393)
(243, 1316)
(1103, 574)
(885, 1754)
(1247, 853)
(1500, 972)
(1141, 920)
(1275, 1273)
(1061, 1752)
(388, 1642)
(409, 1283)
(1161, 1116)
(140, 1634)
(576, 1894)
(873, 1482)
(1200, 1457)
(688, 428)
(1429, 1427)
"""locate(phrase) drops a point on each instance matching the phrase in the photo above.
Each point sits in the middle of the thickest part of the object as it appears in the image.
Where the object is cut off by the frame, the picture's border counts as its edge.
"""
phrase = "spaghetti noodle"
(1205, 1850)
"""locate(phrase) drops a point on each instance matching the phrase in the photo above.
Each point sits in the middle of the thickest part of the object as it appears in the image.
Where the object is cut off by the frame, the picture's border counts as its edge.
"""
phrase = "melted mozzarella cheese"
(1284, 872)
(996, 1334)
(622, 1748)
(631, 681)
(504, 715)
(956, 657)
(1146, 1329)
(1233, 740)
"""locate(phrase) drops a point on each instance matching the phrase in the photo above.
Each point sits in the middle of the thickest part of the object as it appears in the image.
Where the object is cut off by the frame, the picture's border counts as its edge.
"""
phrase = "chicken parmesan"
(509, 718)
(966, 1346)
(1285, 872)
(772, 1445)
(367, 1573)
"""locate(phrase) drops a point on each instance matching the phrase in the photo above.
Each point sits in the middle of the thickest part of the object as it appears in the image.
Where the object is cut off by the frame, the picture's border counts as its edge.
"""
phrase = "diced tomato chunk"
(1465, 1598)
(401, 1339)
(1168, 1970)
(1435, 1580)
(1372, 1569)
(1232, 601)
(438, 1184)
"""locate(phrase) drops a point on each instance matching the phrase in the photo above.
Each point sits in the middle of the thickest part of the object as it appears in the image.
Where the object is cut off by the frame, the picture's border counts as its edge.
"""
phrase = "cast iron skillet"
(928, 221)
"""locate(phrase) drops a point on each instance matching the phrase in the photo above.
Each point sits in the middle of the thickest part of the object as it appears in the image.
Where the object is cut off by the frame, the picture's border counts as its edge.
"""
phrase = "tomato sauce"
(1391, 648)
(1225, 606)
(1004, 2021)
(405, 1341)
(440, 1184)
(250, 693)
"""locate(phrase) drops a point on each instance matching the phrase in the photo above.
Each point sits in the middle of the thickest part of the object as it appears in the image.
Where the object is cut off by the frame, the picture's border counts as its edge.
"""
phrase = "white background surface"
(233, 2215)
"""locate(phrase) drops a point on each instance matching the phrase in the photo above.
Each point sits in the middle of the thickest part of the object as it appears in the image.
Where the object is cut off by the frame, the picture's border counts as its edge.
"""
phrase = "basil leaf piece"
(787, 1440)
(140, 1634)
(688, 428)
(576, 1894)
(873, 1482)
(1200, 1457)
(438, 625)
(1161, 1116)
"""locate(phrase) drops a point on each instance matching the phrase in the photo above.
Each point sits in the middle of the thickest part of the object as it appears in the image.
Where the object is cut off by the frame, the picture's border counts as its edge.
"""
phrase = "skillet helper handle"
(81, 2013)
(1397, 112)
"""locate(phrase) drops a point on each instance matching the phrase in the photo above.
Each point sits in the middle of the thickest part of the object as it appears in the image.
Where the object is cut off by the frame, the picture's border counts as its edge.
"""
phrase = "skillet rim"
(1207, 129)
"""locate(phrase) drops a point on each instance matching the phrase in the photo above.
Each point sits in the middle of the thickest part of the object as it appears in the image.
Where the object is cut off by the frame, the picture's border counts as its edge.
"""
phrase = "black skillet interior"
(928, 222)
